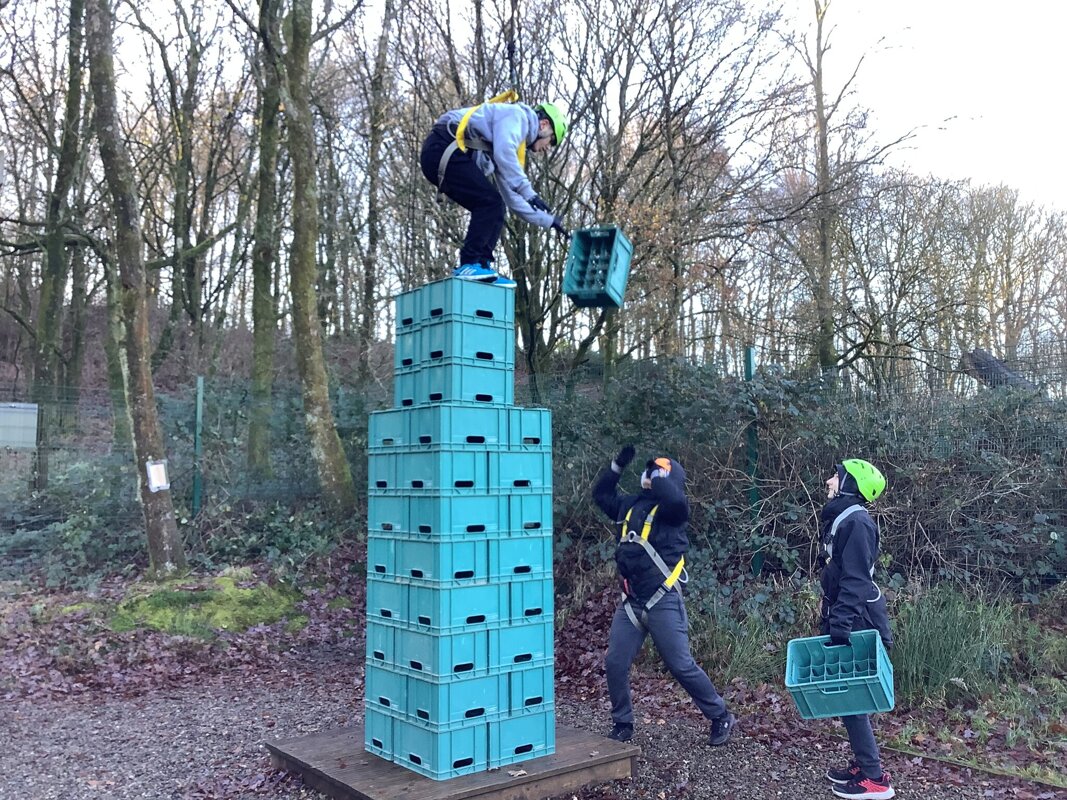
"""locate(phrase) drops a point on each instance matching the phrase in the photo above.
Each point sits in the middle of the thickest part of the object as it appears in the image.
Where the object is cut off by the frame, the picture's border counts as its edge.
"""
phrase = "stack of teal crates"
(459, 675)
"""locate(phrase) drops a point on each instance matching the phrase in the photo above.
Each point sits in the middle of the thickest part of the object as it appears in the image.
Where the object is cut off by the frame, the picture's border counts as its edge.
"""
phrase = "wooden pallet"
(335, 763)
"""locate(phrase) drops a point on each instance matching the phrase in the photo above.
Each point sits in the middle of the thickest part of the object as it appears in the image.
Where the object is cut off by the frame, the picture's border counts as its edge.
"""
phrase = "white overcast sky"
(984, 82)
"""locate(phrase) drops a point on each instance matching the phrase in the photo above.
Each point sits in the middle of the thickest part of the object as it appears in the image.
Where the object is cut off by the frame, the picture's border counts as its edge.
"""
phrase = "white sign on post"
(157, 475)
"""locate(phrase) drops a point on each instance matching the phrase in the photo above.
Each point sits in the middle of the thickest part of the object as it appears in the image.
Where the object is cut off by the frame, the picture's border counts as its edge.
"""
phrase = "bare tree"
(165, 551)
(264, 303)
(335, 477)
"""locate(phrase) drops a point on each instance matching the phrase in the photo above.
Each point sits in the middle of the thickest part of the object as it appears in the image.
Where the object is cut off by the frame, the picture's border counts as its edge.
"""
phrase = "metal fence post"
(752, 456)
(198, 444)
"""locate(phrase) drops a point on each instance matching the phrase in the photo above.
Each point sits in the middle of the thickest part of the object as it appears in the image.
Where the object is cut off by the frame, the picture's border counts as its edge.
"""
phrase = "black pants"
(467, 185)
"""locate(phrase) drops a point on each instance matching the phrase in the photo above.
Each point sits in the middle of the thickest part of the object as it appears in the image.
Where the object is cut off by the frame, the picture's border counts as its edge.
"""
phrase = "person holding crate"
(853, 602)
(650, 556)
(477, 157)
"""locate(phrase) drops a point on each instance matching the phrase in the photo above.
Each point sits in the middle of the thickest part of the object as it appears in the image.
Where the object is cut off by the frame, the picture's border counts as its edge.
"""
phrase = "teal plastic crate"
(495, 648)
(447, 383)
(521, 738)
(458, 425)
(442, 703)
(839, 681)
(453, 298)
(512, 557)
(387, 511)
(381, 642)
(386, 599)
(385, 689)
(455, 341)
(530, 513)
(529, 428)
(437, 655)
(531, 600)
(458, 608)
(381, 555)
(378, 732)
(598, 266)
(489, 649)
(458, 515)
(453, 561)
(531, 690)
(460, 749)
(461, 426)
(428, 469)
(388, 429)
(517, 645)
(436, 703)
(513, 470)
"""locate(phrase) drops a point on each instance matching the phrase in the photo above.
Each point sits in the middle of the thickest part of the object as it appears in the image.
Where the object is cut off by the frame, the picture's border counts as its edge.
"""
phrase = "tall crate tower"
(459, 675)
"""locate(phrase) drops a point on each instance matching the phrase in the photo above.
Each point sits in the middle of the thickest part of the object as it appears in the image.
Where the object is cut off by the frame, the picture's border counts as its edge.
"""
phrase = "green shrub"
(951, 644)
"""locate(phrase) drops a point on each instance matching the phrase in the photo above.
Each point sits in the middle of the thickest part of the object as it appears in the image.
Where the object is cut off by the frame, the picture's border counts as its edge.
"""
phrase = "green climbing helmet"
(555, 116)
(869, 480)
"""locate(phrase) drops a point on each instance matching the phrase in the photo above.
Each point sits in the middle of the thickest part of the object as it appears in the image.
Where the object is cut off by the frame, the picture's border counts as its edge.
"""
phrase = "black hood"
(676, 476)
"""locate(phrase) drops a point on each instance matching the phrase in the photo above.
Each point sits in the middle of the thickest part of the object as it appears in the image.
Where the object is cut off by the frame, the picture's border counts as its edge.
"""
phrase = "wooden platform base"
(335, 763)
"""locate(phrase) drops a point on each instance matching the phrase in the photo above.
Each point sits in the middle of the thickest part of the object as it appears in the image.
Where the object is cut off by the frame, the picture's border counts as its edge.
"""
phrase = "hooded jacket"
(668, 534)
(851, 599)
(504, 126)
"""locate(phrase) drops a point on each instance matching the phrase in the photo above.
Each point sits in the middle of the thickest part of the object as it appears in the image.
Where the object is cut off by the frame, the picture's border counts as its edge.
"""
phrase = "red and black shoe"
(866, 788)
(844, 774)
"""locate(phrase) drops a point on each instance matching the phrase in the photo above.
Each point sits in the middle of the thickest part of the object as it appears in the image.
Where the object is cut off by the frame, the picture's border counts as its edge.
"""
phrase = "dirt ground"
(205, 740)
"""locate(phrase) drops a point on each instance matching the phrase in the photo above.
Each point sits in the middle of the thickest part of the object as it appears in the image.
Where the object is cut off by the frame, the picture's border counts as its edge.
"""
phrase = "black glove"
(838, 641)
(539, 204)
(557, 226)
(625, 456)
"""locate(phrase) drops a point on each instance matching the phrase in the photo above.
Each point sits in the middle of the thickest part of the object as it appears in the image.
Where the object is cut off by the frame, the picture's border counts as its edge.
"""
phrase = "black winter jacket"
(668, 534)
(851, 599)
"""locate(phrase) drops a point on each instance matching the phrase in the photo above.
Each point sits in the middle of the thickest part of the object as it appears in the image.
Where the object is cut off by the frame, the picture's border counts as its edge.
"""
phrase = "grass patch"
(201, 610)
(729, 648)
(950, 645)
(987, 681)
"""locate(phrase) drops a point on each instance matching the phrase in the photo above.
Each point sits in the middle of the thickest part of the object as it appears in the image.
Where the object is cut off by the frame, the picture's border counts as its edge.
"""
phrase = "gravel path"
(204, 741)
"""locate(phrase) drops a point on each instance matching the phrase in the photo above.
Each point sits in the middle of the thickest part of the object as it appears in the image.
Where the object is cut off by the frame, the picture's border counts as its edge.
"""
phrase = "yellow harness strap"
(509, 96)
(670, 576)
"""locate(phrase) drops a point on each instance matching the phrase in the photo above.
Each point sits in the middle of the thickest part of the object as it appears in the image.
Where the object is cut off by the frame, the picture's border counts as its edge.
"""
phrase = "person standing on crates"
(650, 556)
(471, 149)
(853, 602)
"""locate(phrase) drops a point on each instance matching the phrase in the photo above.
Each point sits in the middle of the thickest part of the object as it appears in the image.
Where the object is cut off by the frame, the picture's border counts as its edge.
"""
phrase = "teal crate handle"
(834, 689)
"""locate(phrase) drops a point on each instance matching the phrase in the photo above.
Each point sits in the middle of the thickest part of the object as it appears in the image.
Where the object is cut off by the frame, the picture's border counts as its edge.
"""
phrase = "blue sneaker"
(475, 272)
(507, 283)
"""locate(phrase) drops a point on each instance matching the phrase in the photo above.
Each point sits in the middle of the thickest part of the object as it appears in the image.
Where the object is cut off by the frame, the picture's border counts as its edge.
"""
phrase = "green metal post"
(753, 456)
(198, 444)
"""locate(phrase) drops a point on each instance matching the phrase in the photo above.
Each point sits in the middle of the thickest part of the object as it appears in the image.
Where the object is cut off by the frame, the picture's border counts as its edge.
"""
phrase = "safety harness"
(464, 142)
(671, 576)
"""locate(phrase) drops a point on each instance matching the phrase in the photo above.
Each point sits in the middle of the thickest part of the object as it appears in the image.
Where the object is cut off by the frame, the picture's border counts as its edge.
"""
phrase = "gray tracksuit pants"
(864, 748)
(668, 625)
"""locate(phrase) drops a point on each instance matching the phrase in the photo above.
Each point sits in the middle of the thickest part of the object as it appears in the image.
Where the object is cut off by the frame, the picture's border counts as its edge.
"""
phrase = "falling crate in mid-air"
(598, 266)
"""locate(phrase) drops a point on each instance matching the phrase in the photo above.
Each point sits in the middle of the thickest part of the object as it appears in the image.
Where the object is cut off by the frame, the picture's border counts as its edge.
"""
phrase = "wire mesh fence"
(89, 470)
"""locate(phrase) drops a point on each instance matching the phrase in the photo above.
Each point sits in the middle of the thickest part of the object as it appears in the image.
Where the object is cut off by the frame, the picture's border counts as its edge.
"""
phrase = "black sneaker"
(722, 729)
(844, 774)
(622, 732)
(866, 788)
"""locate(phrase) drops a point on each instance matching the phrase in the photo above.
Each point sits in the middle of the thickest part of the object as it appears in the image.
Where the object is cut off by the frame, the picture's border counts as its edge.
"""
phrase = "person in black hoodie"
(853, 602)
(650, 556)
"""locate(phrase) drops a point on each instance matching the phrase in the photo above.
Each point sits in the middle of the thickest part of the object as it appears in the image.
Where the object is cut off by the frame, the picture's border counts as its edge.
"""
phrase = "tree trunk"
(165, 552)
(335, 477)
(117, 369)
(824, 305)
(264, 305)
(55, 269)
(375, 146)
